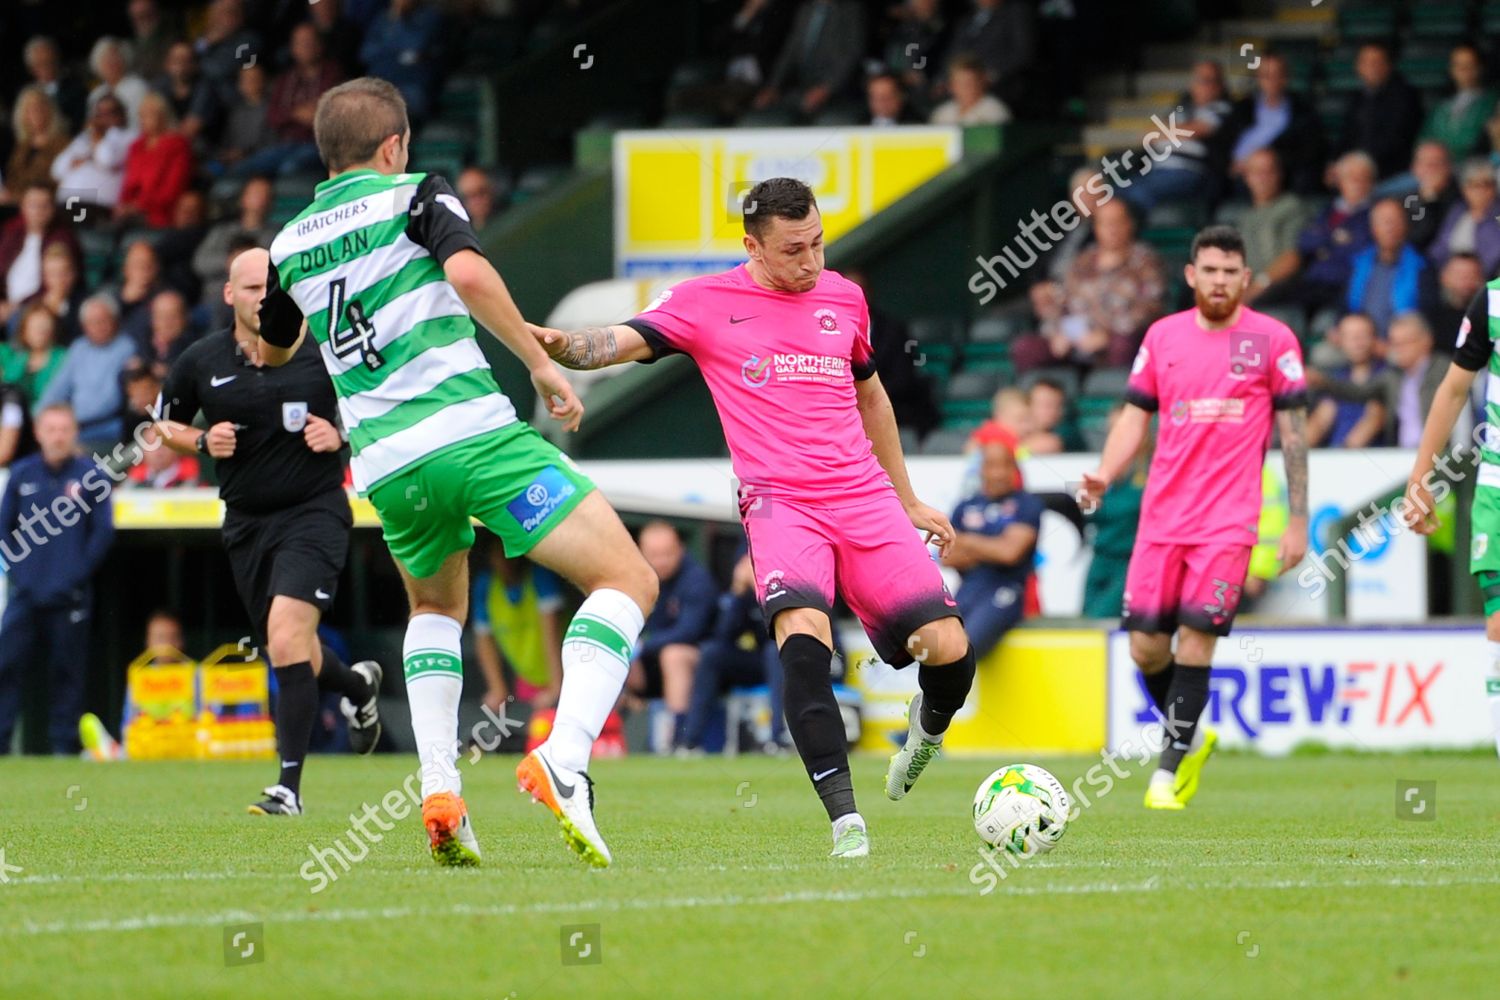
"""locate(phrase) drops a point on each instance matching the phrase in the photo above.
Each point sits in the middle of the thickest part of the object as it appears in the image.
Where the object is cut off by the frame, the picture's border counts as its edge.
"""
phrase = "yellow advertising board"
(678, 194)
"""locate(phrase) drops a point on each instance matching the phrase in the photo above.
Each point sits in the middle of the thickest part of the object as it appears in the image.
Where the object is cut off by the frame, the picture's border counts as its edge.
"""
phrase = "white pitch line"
(31, 928)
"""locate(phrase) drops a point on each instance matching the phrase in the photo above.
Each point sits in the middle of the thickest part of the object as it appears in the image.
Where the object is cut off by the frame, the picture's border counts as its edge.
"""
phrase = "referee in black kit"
(286, 518)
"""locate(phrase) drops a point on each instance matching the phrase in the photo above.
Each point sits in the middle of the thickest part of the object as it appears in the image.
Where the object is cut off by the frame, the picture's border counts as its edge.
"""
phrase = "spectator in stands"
(1345, 423)
(740, 653)
(44, 63)
(340, 35)
(885, 101)
(294, 99)
(91, 168)
(1192, 170)
(89, 378)
(477, 192)
(1115, 523)
(1470, 225)
(40, 135)
(1271, 225)
(1052, 426)
(1085, 198)
(1407, 387)
(158, 168)
(170, 332)
(819, 58)
(1391, 276)
(1010, 421)
(110, 60)
(1431, 181)
(1458, 121)
(161, 468)
(226, 45)
(48, 617)
(401, 46)
(190, 97)
(994, 548)
(517, 615)
(1326, 248)
(140, 280)
(30, 364)
(1383, 116)
(1459, 281)
(969, 103)
(62, 293)
(14, 425)
(150, 37)
(142, 387)
(175, 245)
(749, 42)
(1002, 34)
(915, 44)
(164, 630)
(247, 126)
(1272, 117)
(253, 223)
(668, 653)
(1113, 291)
(23, 242)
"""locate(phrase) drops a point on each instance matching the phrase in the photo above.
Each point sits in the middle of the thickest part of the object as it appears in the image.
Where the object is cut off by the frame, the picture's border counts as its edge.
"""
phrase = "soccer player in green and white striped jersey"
(1478, 347)
(384, 270)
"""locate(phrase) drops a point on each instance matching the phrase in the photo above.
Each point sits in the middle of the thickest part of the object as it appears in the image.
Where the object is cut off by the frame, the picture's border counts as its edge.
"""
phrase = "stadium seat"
(1106, 383)
(1489, 18)
(1442, 19)
(993, 357)
(971, 385)
(995, 329)
(1424, 72)
(1367, 19)
(965, 411)
(947, 441)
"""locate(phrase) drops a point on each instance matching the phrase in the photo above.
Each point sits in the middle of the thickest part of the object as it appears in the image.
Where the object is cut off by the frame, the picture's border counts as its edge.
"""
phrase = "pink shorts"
(1199, 586)
(868, 553)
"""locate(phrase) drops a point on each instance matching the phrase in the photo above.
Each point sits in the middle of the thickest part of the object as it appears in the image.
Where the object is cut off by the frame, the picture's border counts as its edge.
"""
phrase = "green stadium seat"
(965, 411)
(1424, 72)
(1370, 19)
(1443, 19)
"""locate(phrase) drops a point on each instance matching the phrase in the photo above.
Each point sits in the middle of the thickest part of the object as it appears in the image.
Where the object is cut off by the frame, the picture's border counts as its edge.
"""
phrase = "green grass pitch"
(1286, 877)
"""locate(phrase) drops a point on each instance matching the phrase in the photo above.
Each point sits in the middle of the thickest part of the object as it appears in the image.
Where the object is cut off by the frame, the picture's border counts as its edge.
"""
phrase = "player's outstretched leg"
(944, 688)
(360, 687)
(591, 548)
(817, 727)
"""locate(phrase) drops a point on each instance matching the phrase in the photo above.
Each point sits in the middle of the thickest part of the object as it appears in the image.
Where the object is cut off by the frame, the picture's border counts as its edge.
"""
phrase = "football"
(1021, 808)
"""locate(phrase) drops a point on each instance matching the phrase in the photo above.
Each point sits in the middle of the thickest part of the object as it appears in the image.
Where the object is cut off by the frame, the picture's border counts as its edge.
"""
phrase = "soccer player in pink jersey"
(784, 346)
(1215, 375)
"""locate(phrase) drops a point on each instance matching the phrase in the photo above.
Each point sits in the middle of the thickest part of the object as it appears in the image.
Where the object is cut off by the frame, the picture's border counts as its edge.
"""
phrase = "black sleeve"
(437, 220)
(1474, 344)
(280, 319)
(653, 338)
(179, 390)
(1136, 397)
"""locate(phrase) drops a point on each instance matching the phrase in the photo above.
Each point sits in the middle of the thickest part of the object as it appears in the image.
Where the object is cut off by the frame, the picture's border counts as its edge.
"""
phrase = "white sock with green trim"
(1492, 688)
(432, 659)
(596, 655)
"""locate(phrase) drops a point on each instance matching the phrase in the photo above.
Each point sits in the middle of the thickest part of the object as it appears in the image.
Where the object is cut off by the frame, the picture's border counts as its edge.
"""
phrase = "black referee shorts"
(297, 552)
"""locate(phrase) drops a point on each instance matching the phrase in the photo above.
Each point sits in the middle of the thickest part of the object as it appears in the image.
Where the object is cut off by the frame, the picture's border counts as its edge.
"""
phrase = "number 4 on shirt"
(360, 334)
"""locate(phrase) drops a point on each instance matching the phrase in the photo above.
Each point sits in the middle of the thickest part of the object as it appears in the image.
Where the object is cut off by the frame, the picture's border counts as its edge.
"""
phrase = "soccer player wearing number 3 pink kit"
(1218, 377)
(784, 346)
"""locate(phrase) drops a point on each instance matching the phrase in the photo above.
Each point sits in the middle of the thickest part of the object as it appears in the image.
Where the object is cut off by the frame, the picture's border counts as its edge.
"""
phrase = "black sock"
(813, 719)
(944, 689)
(1185, 703)
(1158, 684)
(296, 708)
(335, 675)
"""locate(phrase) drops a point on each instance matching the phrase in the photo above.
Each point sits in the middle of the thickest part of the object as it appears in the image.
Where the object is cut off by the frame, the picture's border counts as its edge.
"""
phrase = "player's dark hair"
(777, 198)
(1226, 238)
(354, 118)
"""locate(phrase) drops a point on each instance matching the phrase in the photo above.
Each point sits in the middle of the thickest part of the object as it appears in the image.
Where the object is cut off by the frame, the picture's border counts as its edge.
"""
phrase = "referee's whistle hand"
(221, 439)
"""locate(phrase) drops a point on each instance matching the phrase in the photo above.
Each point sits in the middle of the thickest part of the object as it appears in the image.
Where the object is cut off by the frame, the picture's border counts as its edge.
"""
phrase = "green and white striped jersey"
(364, 265)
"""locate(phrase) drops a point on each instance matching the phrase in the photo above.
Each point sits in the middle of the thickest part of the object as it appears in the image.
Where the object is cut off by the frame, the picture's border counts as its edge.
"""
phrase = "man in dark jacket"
(1384, 115)
(1272, 117)
(56, 524)
(668, 655)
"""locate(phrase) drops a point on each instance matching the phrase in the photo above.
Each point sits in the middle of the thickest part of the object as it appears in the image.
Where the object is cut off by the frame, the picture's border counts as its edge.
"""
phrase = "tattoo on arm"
(1294, 451)
(591, 347)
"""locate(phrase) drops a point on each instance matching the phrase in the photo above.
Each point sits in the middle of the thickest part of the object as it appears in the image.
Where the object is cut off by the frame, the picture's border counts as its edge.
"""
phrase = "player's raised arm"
(593, 346)
(879, 419)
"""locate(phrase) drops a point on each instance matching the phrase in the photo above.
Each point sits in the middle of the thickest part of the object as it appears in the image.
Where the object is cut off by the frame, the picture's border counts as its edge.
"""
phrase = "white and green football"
(1022, 809)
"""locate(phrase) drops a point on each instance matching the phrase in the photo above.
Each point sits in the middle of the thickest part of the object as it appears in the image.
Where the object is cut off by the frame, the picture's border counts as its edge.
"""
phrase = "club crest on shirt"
(1179, 412)
(828, 322)
(293, 417)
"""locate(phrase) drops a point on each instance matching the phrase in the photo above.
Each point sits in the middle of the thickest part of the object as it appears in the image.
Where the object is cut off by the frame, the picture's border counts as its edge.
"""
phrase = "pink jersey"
(1214, 392)
(781, 368)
